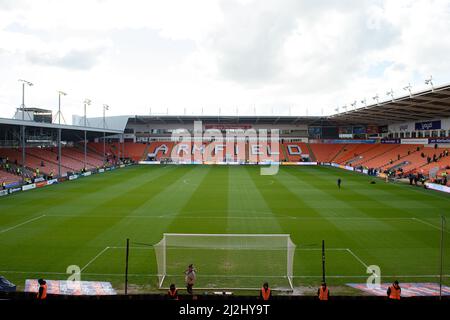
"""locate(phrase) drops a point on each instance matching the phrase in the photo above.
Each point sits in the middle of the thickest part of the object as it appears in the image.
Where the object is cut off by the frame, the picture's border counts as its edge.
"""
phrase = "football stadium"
(188, 193)
(349, 204)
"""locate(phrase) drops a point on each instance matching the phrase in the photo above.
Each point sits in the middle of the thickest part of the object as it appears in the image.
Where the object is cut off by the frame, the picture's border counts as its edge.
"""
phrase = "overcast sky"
(275, 56)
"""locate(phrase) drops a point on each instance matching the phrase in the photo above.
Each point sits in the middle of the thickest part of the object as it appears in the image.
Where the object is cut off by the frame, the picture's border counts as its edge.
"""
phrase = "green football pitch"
(86, 223)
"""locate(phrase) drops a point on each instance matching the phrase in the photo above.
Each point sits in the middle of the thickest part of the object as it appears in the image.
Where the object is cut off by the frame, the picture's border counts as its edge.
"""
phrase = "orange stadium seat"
(352, 152)
(324, 152)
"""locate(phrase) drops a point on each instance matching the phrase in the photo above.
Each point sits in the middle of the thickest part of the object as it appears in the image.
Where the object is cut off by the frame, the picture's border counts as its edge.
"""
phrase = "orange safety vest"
(44, 292)
(395, 293)
(323, 294)
(265, 293)
(173, 294)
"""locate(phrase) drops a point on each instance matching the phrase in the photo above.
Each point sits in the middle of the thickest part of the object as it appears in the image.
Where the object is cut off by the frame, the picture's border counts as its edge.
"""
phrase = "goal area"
(226, 261)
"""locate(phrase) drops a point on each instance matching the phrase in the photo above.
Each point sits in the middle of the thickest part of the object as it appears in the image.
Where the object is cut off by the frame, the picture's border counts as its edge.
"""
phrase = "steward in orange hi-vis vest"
(265, 292)
(42, 292)
(172, 293)
(394, 291)
(323, 292)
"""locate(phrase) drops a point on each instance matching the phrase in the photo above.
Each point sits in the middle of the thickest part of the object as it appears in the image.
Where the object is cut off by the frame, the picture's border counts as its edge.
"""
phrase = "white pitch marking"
(154, 275)
(356, 257)
(429, 224)
(93, 259)
(185, 181)
(232, 217)
(21, 224)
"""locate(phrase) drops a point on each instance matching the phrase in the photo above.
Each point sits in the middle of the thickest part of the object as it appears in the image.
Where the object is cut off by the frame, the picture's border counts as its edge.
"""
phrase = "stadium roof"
(68, 132)
(424, 105)
(186, 119)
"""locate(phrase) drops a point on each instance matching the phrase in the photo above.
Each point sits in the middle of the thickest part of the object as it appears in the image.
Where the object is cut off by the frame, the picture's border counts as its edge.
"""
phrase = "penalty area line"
(429, 224)
(357, 258)
(95, 258)
(21, 224)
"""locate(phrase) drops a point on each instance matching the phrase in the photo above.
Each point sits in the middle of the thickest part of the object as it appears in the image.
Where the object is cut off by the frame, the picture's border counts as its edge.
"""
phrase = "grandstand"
(86, 222)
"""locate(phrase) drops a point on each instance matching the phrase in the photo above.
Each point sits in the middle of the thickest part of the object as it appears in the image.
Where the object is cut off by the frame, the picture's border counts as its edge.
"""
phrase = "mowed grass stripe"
(245, 200)
(209, 199)
(285, 201)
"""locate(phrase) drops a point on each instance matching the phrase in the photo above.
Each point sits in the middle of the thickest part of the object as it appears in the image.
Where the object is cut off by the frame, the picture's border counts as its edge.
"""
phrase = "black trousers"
(189, 288)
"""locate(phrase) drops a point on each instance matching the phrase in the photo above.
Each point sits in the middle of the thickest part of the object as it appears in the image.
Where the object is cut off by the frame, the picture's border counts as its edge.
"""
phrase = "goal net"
(226, 261)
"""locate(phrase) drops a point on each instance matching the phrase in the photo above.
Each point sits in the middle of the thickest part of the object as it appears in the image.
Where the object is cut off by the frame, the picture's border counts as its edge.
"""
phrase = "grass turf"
(86, 222)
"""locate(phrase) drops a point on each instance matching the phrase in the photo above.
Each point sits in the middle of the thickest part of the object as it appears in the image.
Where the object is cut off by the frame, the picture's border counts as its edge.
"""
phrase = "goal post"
(226, 261)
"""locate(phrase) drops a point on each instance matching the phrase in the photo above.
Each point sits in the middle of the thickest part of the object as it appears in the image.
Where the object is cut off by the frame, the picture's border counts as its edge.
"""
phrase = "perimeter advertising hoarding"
(228, 126)
(346, 141)
(414, 141)
(12, 185)
(437, 187)
(439, 140)
(29, 187)
(53, 181)
(13, 190)
(73, 288)
(390, 141)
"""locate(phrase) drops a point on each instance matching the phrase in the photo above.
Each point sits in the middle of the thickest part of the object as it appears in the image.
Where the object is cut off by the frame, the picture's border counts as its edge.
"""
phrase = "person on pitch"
(190, 277)
(339, 182)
